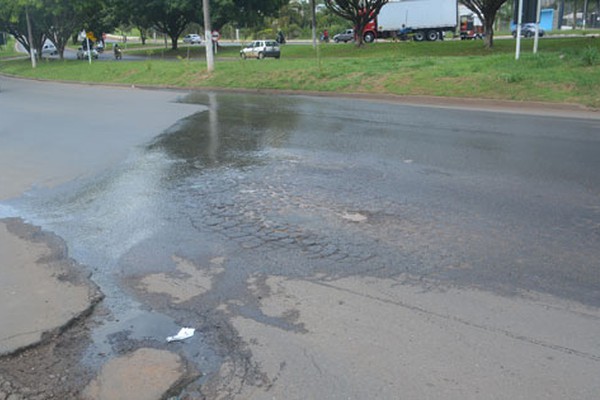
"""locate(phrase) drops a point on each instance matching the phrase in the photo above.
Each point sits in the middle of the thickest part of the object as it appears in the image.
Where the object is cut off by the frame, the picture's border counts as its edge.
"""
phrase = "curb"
(566, 110)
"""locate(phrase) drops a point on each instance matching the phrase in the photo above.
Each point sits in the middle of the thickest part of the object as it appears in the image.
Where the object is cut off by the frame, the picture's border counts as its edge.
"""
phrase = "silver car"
(261, 49)
(192, 38)
(346, 36)
(84, 54)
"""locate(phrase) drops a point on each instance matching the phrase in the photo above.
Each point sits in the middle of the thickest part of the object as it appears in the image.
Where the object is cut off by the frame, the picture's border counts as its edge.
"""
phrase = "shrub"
(514, 77)
(590, 56)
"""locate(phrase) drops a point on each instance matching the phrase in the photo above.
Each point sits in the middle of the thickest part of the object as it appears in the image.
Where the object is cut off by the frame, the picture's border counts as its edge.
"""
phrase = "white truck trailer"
(425, 19)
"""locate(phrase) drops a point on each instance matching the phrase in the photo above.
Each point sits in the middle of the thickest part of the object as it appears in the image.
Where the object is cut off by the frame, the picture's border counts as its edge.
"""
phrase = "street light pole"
(30, 39)
(89, 50)
(313, 23)
(537, 26)
(519, 21)
(210, 62)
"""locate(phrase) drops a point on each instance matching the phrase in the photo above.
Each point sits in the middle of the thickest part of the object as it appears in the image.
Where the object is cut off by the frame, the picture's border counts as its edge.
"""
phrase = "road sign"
(215, 35)
(90, 35)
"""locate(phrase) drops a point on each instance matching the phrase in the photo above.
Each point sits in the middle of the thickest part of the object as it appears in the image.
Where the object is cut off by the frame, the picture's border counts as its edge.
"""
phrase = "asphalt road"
(327, 247)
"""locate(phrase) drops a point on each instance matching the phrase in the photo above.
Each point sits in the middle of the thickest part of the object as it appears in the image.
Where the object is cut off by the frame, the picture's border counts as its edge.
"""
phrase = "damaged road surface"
(239, 246)
(37, 275)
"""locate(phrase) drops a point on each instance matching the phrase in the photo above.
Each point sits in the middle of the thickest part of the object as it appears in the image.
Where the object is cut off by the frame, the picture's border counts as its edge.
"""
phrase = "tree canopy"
(54, 20)
(59, 20)
(359, 12)
(486, 10)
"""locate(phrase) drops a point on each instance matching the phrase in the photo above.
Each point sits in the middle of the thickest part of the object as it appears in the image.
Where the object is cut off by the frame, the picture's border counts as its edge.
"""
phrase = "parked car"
(346, 36)
(192, 38)
(83, 54)
(527, 30)
(261, 49)
(49, 49)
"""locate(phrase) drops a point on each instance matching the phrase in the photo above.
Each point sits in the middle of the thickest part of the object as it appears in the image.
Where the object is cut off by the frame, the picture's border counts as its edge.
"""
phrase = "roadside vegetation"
(8, 50)
(565, 70)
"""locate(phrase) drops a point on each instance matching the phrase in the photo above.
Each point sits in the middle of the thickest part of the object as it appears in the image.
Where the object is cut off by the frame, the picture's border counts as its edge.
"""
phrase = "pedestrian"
(117, 51)
(404, 32)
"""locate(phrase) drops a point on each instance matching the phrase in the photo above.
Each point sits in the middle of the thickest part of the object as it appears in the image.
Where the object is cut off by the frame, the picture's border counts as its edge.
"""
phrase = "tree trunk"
(173, 42)
(358, 33)
(61, 51)
(142, 35)
(488, 38)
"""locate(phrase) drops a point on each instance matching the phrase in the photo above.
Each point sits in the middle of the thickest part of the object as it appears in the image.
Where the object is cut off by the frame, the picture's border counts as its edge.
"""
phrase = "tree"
(132, 13)
(359, 12)
(63, 18)
(17, 16)
(244, 13)
(170, 17)
(55, 20)
(486, 11)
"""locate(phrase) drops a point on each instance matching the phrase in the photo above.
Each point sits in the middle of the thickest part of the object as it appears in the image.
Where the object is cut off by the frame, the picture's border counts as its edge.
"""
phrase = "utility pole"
(210, 61)
(519, 22)
(314, 23)
(536, 39)
(30, 38)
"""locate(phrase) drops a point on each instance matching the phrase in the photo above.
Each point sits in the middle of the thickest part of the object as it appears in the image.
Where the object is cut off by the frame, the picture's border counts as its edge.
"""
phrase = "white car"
(192, 38)
(49, 49)
(83, 54)
(261, 49)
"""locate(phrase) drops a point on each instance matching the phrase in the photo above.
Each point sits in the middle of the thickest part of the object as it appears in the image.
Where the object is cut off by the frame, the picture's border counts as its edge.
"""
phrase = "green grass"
(565, 70)
(8, 50)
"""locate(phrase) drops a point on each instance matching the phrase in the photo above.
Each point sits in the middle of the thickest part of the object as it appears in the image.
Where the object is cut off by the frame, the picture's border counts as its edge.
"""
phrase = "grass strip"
(565, 70)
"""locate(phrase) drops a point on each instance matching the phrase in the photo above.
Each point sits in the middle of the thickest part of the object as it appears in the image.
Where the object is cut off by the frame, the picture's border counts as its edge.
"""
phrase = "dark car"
(346, 36)
(527, 30)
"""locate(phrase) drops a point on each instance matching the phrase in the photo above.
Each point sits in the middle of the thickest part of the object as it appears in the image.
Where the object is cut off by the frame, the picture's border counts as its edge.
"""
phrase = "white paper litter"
(183, 333)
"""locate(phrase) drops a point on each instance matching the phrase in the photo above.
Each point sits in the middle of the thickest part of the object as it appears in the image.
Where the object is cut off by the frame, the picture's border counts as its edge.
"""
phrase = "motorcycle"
(280, 38)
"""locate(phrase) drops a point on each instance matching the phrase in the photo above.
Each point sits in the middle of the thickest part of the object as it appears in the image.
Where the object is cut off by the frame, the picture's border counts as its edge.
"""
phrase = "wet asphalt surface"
(323, 188)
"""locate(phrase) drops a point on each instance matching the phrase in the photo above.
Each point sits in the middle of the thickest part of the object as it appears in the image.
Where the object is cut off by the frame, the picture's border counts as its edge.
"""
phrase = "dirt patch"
(51, 370)
(41, 289)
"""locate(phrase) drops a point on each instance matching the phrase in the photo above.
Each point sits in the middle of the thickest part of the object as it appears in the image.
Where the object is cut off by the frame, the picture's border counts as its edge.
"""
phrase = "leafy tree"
(359, 12)
(243, 13)
(13, 19)
(63, 18)
(170, 17)
(55, 20)
(99, 17)
(486, 11)
(132, 13)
